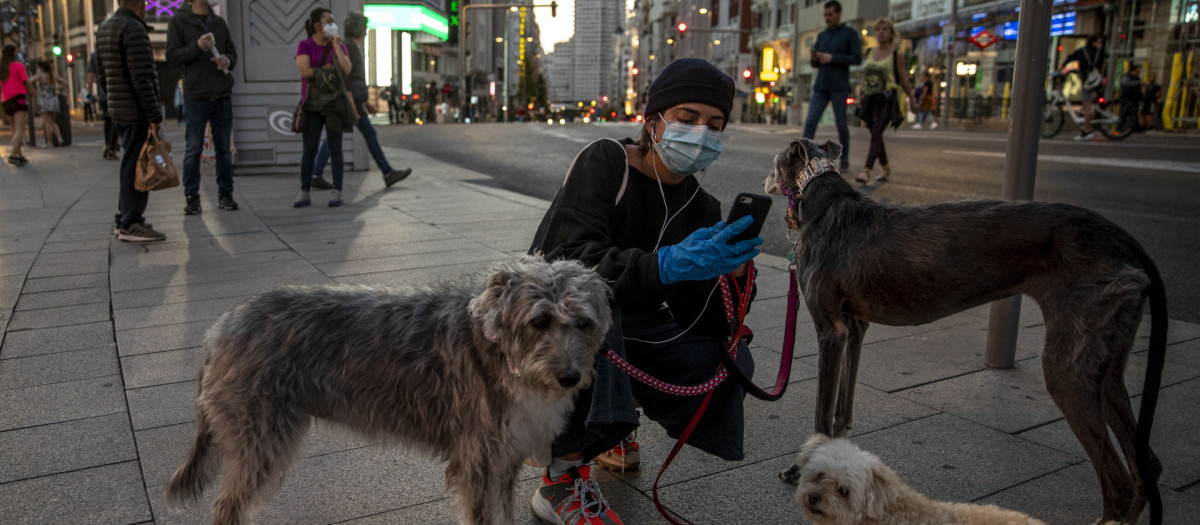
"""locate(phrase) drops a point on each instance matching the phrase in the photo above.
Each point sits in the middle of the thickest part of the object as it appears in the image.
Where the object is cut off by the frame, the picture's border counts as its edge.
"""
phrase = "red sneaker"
(573, 499)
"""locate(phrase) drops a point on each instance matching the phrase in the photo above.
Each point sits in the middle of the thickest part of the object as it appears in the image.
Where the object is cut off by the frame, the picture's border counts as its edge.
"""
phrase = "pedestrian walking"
(198, 42)
(48, 85)
(924, 96)
(356, 30)
(883, 78)
(838, 47)
(391, 95)
(636, 212)
(1083, 61)
(1131, 95)
(87, 101)
(325, 104)
(112, 142)
(15, 91)
(1150, 95)
(126, 68)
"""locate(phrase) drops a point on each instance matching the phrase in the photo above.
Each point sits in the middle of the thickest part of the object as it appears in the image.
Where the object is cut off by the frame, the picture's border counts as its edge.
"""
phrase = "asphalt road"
(1150, 185)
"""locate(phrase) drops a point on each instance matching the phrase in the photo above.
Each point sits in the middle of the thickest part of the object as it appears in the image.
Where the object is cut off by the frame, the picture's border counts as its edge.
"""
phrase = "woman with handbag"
(48, 85)
(881, 78)
(15, 91)
(323, 63)
(1088, 60)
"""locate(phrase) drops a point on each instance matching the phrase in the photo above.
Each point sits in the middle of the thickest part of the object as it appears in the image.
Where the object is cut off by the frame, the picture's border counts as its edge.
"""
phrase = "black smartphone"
(751, 204)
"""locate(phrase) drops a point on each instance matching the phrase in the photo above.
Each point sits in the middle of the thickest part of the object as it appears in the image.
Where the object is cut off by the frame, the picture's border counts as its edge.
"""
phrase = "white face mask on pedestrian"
(331, 30)
(686, 149)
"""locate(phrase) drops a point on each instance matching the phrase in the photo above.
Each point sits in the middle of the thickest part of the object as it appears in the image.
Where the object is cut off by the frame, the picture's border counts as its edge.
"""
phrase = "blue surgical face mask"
(686, 149)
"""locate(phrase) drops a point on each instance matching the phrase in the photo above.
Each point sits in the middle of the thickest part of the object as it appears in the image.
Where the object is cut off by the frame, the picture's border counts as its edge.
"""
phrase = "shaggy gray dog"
(861, 262)
(478, 373)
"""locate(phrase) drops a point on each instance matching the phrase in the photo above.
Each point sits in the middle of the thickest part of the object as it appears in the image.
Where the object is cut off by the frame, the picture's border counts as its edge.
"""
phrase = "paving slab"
(345, 252)
(1186, 353)
(106, 494)
(76, 246)
(58, 339)
(77, 296)
(161, 277)
(949, 458)
(58, 367)
(748, 494)
(421, 276)
(16, 263)
(1076, 499)
(207, 291)
(69, 282)
(45, 404)
(62, 447)
(407, 262)
(162, 338)
(172, 313)
(160, 368)
(162, 405)
(58, 316)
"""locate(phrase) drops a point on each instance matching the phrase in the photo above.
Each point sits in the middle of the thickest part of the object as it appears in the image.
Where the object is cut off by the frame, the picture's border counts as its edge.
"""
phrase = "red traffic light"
(70, 58)
(634, 71)
(746, 74)
(682, 27)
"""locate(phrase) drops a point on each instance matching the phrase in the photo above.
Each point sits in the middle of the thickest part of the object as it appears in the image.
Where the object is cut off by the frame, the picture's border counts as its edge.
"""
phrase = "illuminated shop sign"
(1060, 24)
(407, 18)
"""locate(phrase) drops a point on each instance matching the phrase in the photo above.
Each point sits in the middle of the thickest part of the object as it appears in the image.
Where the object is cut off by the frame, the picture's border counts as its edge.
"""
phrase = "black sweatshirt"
(587, 223)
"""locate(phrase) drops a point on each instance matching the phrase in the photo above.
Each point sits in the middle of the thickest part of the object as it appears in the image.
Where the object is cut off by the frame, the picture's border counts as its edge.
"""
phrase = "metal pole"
(504, 90)
(795, 118)
(949, 72)
(1020, 161)
(1114, 22)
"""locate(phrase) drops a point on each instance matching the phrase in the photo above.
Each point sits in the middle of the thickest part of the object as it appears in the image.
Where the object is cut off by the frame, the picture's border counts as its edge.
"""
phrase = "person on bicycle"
(1087, 59)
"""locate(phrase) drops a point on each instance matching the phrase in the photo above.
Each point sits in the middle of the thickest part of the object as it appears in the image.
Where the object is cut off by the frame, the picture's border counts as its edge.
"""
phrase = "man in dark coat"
(126, 70)
(838, 47)
(192, 36)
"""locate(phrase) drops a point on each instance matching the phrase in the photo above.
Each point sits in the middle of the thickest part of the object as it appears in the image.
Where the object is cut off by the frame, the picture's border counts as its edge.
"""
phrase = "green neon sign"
(407, 18)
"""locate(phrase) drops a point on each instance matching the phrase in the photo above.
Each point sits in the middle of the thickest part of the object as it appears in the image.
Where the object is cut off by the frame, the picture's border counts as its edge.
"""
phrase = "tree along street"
(1149, 185)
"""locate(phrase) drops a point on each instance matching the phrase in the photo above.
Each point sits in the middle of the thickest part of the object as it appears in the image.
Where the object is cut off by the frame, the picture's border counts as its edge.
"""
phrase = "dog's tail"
(1148, 468)
(189, 480)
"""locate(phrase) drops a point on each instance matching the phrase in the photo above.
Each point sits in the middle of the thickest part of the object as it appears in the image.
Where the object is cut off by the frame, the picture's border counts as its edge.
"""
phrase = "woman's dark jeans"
(312, 141)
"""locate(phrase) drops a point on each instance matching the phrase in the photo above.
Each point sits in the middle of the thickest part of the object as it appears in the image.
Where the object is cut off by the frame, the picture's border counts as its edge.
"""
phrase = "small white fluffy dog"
(841, 484)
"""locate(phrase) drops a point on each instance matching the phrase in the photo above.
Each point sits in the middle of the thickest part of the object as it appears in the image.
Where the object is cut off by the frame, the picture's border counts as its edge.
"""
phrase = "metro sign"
(984, 39)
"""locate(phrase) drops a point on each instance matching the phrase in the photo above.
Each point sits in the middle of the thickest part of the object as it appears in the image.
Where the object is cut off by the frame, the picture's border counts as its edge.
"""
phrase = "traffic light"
(70, 58)
(746, 74)
(634, 71)
(553, 9)
(682, 27)
(57, 49)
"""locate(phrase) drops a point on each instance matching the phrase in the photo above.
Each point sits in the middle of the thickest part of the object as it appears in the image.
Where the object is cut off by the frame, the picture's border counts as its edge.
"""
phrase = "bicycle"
(1113, 126)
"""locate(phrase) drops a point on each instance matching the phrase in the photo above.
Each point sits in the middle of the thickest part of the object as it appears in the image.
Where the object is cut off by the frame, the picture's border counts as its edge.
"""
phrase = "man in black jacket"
(126, 69)
(192, 36)
(837, 48)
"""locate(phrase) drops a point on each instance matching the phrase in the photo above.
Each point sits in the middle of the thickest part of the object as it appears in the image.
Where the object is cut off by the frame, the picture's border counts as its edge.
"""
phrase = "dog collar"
(815, 168)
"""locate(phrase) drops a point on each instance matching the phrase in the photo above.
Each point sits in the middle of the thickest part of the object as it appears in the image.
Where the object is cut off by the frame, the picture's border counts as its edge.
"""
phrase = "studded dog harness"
(815, 167)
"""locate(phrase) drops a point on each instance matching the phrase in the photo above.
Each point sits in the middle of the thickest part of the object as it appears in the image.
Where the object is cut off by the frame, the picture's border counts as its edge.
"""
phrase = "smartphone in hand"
(751, 204)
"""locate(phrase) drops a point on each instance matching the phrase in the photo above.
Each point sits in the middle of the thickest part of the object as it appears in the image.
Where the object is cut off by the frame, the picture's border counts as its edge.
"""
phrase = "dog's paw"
(791, 475)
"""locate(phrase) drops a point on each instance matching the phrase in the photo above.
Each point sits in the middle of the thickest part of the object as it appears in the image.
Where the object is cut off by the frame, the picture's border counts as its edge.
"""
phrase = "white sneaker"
(933, 125)
(1084, 136)
(917, 126)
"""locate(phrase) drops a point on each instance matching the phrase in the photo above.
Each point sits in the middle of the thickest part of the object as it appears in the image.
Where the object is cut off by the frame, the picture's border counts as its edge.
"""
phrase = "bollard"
(1169, 103)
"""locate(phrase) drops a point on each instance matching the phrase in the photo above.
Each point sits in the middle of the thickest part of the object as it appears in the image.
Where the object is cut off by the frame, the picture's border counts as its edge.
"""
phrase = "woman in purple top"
(323, 46)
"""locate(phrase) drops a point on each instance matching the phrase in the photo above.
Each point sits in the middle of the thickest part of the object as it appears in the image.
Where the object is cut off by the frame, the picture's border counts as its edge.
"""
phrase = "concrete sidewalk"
(100, 356)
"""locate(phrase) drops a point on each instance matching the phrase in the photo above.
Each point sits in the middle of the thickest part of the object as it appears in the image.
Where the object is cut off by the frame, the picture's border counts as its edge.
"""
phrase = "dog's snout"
(814, 498)
(568, 379)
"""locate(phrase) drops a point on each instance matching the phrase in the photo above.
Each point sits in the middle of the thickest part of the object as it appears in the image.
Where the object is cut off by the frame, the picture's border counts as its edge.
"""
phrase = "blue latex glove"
(706, 253)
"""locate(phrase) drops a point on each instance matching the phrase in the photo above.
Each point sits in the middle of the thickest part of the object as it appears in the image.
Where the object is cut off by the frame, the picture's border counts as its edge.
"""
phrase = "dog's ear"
(487, 305)
(882, 489)
(809, 447)
(798, 151)
(832, 149)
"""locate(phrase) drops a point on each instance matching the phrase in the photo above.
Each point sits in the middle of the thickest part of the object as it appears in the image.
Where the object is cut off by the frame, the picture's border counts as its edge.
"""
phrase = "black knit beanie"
(690, 80)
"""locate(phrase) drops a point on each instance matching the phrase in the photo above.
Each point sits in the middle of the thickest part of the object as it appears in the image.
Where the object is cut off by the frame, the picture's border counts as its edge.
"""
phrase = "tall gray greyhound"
(861, 262)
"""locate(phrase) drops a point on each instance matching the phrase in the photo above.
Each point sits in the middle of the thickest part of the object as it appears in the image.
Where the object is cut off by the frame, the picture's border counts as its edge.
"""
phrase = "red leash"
(730, 365)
